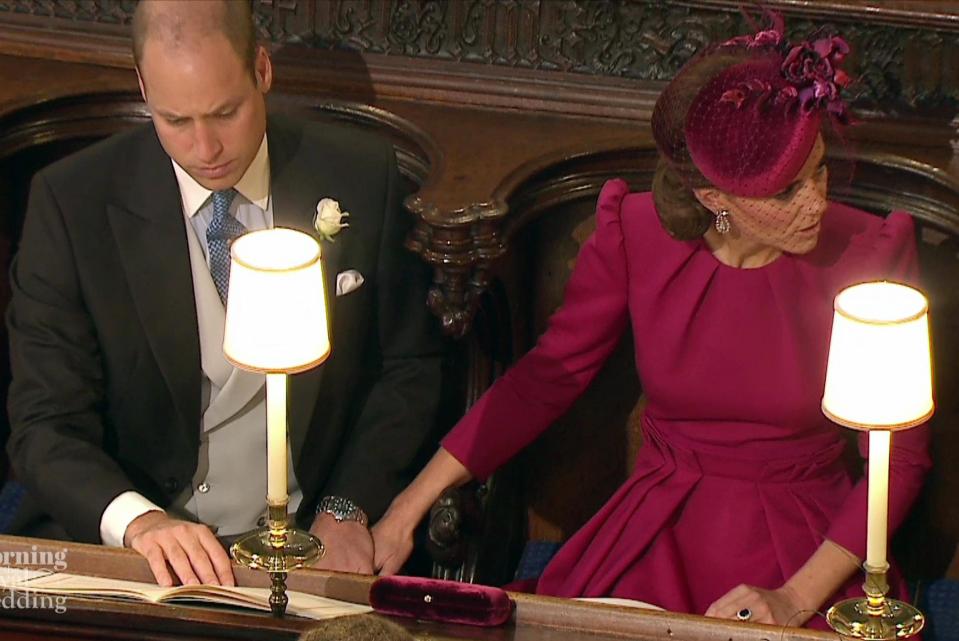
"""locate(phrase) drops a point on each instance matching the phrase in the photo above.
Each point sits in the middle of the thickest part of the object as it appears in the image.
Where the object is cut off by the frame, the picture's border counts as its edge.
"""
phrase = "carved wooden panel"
(64, 12)
(647, 40)
(904, 65)
(903, 59)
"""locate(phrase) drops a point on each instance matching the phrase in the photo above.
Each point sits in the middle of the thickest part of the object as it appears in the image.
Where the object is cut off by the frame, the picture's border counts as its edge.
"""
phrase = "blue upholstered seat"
(940, 601)
(10, 496)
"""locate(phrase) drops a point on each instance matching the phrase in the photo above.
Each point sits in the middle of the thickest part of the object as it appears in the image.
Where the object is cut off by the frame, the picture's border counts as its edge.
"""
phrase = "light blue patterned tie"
(223, 230)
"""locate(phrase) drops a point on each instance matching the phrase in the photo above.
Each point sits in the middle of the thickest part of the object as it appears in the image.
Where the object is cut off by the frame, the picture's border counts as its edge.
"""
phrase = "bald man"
(128, 425)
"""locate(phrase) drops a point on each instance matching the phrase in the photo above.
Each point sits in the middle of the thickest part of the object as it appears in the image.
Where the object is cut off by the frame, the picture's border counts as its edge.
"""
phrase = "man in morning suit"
(129, 426)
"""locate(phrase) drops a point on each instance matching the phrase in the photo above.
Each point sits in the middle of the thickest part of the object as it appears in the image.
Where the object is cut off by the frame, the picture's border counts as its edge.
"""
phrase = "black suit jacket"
(105, 347)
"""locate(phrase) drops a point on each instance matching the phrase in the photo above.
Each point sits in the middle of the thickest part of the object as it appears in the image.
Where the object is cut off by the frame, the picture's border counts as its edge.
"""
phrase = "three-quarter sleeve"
(579, 338)
(890, 254)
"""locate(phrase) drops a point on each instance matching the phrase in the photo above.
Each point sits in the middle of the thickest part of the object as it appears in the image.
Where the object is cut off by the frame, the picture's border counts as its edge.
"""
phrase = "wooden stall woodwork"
(508, 115)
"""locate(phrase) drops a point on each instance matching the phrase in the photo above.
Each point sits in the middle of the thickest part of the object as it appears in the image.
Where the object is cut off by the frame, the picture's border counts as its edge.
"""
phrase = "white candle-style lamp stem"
(276, 443)
(878, 513)
(878, 379)
(276, 324)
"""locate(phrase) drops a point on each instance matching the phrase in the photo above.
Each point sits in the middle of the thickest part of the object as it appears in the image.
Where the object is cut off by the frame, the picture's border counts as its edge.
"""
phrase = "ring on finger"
(745, 614)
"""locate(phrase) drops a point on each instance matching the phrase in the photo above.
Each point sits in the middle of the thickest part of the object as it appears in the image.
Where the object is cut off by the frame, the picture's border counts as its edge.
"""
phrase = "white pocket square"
(347, 281)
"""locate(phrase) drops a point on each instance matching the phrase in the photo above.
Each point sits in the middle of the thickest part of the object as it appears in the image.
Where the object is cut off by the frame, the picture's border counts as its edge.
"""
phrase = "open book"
(63, 584)
(611, 600)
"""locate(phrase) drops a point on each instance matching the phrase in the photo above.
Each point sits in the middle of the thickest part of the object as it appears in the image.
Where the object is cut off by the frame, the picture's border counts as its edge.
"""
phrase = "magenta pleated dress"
(740, 476)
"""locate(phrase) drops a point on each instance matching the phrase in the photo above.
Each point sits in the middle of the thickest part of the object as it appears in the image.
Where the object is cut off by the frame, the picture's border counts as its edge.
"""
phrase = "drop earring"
(722, 222)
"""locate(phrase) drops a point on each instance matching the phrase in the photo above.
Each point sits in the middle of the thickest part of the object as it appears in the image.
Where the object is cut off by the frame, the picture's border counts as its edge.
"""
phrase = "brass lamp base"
(874, 617)
(278, 549)
(255, 551)
(851, 618)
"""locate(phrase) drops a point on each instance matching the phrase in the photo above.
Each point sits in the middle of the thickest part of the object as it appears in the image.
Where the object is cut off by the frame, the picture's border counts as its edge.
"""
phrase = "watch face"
(342, 509)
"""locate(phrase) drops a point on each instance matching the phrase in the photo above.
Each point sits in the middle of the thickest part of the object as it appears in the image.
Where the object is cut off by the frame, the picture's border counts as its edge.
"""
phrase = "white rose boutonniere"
(329, 220)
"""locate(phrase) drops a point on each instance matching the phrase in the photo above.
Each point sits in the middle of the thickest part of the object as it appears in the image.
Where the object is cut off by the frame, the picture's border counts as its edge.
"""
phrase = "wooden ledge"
(536, 618)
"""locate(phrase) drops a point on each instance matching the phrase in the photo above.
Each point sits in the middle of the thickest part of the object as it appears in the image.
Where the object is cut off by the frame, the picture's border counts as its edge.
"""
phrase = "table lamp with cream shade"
(878, 379)
(276, 324)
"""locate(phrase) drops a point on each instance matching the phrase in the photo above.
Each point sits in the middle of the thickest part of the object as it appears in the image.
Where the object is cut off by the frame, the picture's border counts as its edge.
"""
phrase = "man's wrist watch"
(342, 509)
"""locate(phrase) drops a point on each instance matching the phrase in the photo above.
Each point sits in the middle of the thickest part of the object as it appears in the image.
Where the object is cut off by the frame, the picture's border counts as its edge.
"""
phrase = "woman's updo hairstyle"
(680, 212)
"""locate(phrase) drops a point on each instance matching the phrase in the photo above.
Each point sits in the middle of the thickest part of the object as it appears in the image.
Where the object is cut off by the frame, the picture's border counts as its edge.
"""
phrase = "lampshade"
(276, 318)
(879, 373)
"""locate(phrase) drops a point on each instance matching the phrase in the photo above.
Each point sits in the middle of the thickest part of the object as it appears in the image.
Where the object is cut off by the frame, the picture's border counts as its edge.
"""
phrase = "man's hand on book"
(349, 546)
(190, 549)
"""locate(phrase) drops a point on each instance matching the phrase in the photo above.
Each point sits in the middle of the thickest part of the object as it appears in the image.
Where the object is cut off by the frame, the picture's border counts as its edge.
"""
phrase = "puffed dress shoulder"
(740, 476)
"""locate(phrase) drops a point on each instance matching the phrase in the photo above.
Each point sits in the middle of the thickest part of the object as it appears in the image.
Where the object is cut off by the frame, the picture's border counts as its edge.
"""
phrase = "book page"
(630, 603)
(301, 604)
(79, 585)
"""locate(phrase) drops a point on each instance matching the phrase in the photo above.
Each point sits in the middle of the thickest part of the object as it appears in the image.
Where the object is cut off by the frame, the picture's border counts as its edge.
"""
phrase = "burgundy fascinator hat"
(745, 114)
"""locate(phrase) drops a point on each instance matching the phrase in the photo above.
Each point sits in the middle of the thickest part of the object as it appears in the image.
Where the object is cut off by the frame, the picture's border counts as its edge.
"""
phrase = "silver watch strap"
(342, 509)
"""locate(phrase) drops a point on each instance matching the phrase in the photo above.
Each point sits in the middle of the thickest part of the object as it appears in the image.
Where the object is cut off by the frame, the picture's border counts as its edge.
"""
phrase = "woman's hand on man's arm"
(393, 534)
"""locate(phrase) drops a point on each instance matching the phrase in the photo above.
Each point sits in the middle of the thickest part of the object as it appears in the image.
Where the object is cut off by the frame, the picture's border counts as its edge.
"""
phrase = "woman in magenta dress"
(726, 273)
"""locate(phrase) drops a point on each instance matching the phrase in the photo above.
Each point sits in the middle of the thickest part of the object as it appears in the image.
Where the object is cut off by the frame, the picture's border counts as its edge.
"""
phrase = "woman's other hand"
(777, 607)
(801, 595)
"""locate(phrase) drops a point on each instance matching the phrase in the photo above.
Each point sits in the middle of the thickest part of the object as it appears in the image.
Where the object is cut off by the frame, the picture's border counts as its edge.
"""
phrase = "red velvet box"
(436, 600)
